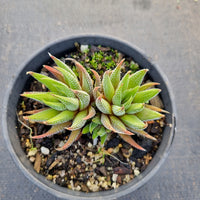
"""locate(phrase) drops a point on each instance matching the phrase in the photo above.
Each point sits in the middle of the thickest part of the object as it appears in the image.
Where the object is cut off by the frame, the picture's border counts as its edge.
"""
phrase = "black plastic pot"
(59, 49)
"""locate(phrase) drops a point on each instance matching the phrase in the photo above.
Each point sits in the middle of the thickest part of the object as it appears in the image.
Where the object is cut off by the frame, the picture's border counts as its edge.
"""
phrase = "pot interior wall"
(59, 49)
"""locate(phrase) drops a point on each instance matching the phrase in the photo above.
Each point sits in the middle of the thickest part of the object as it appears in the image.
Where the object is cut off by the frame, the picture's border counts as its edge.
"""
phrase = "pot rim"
(112, 194)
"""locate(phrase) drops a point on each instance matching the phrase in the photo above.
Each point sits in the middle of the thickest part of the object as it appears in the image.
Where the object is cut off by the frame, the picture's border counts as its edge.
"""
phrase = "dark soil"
(85, 167)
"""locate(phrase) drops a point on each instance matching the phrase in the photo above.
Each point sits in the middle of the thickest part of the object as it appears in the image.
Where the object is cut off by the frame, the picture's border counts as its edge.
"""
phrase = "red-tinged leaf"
(55, 72)
(129, 139)
(61, 64)
(62, 117)
(106, 122)
(103, 105)
(71, 104)
(96, 92)
(147, 86)
(71, 81)
(97, 78)
(142, 133)
(30, 112)
(119, 126)
(52, 84)
(84, 98)
(54, 130)
(78, 121)
(79, 136)
(85, 79)
(46, 98)
(156, 108)
(73, 137)
(91, 113)
(42, 115)
(115, 76)
(147, 115)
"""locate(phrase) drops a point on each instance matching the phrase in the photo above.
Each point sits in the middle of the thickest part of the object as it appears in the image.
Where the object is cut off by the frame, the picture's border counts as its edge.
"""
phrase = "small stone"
(89, 183)
(127, 178)
(114, 177)
(115, 185)
(136, 172)
(28, 144)
(110, 150)
(104, 184)
(89, 145)
(116, 149)
(120, 145)
(32, 152)
(92, 187)
(44, 150)
(162, 123)
(62, 173)
(90, 154)
(78, 188)
(32, 159)
(72, 184)
(94, 166)
(84, 188)
(49, 177)
(101, 178)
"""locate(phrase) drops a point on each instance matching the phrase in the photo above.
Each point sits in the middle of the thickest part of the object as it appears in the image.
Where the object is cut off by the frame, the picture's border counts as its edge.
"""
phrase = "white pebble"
(136, 172)
(44, 150)
(32, 152)
(114, 185)
(94, 166)
(84, 48)
(114, 177)
(89, 145)
(78, 188)
(32, 159)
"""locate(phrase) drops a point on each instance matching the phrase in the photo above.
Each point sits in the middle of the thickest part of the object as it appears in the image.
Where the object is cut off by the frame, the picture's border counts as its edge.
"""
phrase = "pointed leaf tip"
(29, 72)
(25, 117)
(50, 55)
(73, 137)
(129, 139)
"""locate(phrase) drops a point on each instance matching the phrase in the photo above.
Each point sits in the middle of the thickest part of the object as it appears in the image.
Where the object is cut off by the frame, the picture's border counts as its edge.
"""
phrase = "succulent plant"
(100, 107)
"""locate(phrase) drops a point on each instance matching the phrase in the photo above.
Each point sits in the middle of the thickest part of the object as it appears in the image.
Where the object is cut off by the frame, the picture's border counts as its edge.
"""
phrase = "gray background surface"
(169, 33)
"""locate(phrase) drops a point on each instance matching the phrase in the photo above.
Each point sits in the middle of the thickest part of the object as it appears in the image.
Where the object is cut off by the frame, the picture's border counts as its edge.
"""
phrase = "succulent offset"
(111, 104)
